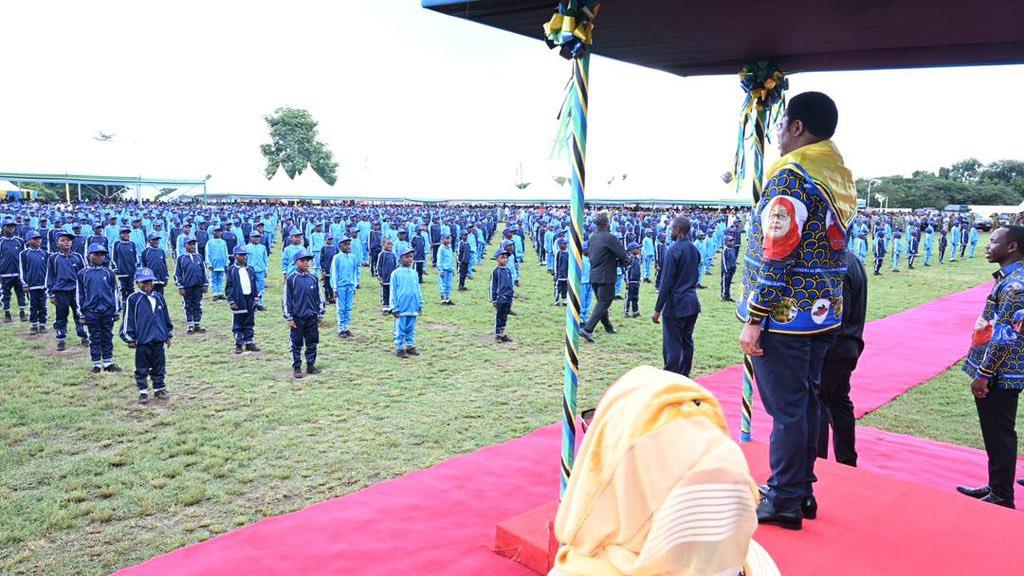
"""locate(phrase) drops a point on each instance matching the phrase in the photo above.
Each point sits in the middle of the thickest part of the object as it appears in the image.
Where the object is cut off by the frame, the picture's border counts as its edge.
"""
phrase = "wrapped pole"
(747, 412)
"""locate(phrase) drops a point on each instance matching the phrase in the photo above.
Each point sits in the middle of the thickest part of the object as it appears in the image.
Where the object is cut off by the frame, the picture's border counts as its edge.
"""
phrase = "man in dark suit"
(606, 256)
(677, 299)
(840, 362)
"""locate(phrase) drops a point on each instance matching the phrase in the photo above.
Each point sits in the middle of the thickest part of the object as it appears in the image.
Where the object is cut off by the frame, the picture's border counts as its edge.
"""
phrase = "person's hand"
(168, 343)
(181, 291)
(206, 288)
(131, 345)
(750, 338)
(291, 324)
(656, 317)
(234, 306)
(979, 387)
(320, 321)
(53, 301)
(495, 304)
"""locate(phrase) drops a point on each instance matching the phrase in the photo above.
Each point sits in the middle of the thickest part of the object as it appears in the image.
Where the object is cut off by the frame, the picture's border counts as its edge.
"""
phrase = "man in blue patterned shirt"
(793, 295)
(996, 365)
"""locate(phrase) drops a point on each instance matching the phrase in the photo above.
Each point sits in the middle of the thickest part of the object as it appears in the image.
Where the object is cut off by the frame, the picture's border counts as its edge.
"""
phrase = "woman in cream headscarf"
(658, 488)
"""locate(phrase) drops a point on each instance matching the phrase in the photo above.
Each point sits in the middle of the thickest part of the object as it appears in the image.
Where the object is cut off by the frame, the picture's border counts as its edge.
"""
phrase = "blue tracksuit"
(243, 313)
(217, 262)
(386, 264)
(303, 304)
(190, 276)
(586, 290)
(445, 270)
(259, 261)
(972, 244)
(897, 249)
(647, 253)
(10, 275)
(32, 269)
(406, 303)
(62, 285)
(147, 324)
(344, 268)
(502, 294)
(156, 260)
(288, 258)
(98, 303)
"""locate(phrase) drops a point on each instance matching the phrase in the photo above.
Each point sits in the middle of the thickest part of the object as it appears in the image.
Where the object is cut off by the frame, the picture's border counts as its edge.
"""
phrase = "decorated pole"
(571, 28)
(765, 87)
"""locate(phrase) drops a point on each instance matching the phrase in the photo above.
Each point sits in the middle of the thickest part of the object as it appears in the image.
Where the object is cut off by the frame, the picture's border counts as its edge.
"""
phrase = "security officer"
(996, 365)
(100, 305)
(242, 296)
(62, 269)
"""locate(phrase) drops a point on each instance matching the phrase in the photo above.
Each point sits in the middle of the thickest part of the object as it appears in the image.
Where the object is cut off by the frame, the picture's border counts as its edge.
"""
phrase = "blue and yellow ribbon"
(572, 28)
(765, 87)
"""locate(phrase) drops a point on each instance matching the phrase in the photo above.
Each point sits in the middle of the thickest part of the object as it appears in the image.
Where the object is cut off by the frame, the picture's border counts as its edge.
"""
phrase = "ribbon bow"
(572, 28)
(765, 86)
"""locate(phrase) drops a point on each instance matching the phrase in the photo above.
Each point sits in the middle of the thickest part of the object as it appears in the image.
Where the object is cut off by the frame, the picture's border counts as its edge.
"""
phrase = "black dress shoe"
(1021, 481)
(993, 499)
(767, 514)
(808, 506)
(587, 336)
(611, 330)
(979, 492)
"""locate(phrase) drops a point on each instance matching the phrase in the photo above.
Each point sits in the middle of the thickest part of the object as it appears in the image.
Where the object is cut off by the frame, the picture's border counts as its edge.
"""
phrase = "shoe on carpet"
(1021, 481)
(993, 499)
(767, 514)
(979, 492)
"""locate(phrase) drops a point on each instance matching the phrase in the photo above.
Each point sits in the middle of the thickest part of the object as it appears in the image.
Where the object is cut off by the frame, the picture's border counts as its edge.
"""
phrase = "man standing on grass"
(677, 299)
(606, 256)
(996, 364)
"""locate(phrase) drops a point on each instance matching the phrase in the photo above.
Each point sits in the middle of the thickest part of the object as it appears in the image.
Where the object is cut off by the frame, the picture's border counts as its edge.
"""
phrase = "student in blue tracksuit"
(659, 258)
(549, 248)
(62, 269)
(99, 304)
(146, 328)
(406, 305)
(445, 264)
(190, 278)
(502, 294)
(155, 258)
(929, 244)
(972, 241)
(897, 249)
(303, 304)
(317, 241)
(288, 255)
(259, 261)
(344, 268)
(647, 253)
(419, 244)
(179, 243)
(327, 254)
(913, 246)
(561, 273)
(402, 244)
(633, 278)
(464, 260)
(32, 271)
(586, 290)
(98, 237)
(386, 263)
(10, 279)
(879, 250)
(125, 258)
(137, 236)
(242, 295)
(217, 262)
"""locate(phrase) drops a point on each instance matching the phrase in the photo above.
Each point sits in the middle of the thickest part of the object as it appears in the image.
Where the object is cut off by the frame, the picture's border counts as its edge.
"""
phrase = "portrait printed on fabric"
(782, 223)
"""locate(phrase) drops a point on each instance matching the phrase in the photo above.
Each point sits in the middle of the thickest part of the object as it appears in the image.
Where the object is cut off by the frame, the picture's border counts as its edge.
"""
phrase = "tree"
(294, 146)
(1006, 172)
(964, 170)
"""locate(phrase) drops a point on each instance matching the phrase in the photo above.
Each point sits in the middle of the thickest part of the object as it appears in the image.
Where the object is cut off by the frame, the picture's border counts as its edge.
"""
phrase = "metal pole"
(67, 192)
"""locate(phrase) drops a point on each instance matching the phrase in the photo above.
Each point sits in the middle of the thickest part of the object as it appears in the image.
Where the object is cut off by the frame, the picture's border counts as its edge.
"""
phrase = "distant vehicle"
(963, 208)
(983, 224)
(1006, 219)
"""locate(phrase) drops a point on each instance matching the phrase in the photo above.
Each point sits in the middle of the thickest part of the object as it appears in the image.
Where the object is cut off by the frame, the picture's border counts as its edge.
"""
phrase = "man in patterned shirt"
(996, 365)
(793, 295)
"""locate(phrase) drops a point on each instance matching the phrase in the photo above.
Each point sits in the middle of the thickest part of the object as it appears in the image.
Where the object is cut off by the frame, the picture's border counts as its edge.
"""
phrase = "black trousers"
(501, 318)
(374, 254)
(325, 281)
(788, 378)
(997, 413)
(632, 298)
(604, 294)
(66, 303)
(727, 274)
(193, 303)
(419, 270)
(306, 333)
(837, 410)
(127, 286)
(37, 306)
(561, 289)
(463, 272)
(243, 324)
(433, 254)
(385, 296)
(101, 337)
(878, 265)
(9, 284)
(150, 362)
(677, 343)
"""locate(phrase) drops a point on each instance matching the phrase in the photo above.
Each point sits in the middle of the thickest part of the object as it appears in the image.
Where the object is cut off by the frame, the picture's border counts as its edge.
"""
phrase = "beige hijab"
(659, 488)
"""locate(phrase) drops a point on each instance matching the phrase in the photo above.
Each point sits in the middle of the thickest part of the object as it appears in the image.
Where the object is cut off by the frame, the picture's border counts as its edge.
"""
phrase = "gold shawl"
(659, 488)
(825, 165)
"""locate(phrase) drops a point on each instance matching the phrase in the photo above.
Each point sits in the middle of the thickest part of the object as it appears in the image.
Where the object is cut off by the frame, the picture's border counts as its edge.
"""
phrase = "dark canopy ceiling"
(719, 36)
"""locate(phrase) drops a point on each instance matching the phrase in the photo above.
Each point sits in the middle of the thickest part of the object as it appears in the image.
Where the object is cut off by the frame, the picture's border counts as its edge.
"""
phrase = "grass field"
(92, 481)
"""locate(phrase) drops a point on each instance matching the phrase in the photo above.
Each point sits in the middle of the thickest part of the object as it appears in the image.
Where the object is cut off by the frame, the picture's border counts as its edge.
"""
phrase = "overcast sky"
(414, 103)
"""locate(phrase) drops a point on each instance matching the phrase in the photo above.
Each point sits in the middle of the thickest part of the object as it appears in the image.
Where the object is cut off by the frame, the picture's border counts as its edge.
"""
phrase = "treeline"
(966, 182)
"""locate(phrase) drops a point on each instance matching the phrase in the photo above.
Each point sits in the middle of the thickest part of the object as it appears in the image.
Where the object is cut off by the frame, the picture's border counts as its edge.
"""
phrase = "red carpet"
(883, 518)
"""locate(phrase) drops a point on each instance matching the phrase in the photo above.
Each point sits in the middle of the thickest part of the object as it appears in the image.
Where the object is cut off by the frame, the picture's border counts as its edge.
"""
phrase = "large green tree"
(965, 182)
(294, 146)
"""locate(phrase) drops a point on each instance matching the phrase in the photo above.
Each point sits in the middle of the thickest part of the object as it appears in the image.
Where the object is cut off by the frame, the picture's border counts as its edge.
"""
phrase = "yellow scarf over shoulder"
(825, 165)
(659, 488)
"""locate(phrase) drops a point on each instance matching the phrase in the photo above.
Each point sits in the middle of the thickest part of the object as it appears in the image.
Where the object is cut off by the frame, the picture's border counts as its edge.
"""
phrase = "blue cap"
(506, 244)
(344, 239)
(632, 246)
(409, 250)
(32, 234)
(152, 237)
(561, 241)
(144, 275)
(240, 249)
(295, 232)
(329, 237)
(256, 233)
(126, 229)
(500, 253)
(8, 221)
(65, 233)
(190, 239)
(586, 246)
(302, 255)
(76, 225)
(97, 249)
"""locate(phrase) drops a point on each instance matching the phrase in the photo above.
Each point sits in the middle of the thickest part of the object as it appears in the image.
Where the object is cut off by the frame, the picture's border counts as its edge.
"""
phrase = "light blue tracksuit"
(217, 262)
(344, 267)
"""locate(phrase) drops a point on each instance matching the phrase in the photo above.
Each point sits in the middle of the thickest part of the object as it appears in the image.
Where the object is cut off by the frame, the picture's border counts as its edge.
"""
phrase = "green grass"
(941, 409)
(92, 481)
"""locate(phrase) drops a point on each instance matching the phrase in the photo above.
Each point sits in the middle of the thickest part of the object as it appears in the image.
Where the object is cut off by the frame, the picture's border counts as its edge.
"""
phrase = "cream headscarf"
(659, 488)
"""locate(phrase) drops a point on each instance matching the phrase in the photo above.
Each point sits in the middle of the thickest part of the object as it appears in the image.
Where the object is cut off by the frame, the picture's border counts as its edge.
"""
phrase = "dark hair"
(1015, 234)
(601, 220)
(816, 110)
(682, 223)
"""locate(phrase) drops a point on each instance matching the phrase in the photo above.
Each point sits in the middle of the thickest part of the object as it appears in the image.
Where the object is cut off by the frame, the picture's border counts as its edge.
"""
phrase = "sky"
(417, 104)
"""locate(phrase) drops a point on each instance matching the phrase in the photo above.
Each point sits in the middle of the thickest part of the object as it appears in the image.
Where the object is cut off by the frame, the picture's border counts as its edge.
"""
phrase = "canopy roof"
(719, 37)
(98, 180)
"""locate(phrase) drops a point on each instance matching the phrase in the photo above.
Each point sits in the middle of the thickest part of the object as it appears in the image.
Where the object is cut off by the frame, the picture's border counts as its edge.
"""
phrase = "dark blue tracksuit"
(728, 269)
(243, 321)
(303, 304)
(464, 259)
(502, 293)
(147, 324)
(561, 275)
(32, 264)
(190, 277)
(61, 285)
(99, 304)
(387, 261)
(10, 276)
(633, 275)
(125, 258)
(156, 260)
